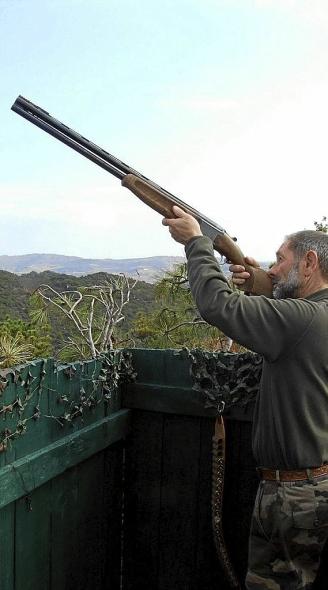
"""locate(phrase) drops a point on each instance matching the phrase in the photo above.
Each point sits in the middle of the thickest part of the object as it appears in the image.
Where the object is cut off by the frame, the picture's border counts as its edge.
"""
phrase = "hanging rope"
(218, 465)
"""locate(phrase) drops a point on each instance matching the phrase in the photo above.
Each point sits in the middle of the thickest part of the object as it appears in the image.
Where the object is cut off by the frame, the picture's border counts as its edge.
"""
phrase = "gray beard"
(289, 287)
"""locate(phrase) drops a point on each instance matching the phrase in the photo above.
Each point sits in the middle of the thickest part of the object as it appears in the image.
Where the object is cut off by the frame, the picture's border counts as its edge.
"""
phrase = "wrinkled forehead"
(285, 250)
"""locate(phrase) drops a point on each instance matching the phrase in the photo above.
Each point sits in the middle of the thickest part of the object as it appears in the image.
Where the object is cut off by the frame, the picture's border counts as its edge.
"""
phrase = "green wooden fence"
(106, 484)
(60, 478)
(168, 540)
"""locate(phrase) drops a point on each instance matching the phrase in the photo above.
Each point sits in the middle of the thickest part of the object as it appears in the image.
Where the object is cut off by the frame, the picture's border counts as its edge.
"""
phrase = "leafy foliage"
(175, 322)
(21, 341)
(13, 351)
(13, 296)
(321, 225)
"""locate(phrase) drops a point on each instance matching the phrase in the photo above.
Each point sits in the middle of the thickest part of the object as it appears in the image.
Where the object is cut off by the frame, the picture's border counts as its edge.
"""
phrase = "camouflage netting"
(226, 379)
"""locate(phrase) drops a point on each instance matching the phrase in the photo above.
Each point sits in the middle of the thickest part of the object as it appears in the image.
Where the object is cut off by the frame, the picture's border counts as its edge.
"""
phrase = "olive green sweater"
(290, 428)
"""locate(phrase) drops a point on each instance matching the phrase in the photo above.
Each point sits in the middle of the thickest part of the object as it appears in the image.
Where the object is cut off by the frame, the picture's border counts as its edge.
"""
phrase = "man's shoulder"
(318, 296)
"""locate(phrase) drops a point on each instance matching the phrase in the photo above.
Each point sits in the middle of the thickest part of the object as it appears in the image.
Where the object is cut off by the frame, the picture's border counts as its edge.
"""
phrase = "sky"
(222, 102)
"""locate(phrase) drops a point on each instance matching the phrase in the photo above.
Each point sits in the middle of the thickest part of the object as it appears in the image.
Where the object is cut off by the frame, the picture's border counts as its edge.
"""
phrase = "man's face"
(285, 274)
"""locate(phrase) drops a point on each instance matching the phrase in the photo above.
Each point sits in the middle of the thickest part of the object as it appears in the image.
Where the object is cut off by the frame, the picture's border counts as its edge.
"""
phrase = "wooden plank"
(31, 390)
(143, 471)
(65, 562)
(167, 367)
(25, 395)
(86, 524)
(112, 516)
(89, 524)
(8, 421)
(87, 380)
(32, 541)
(179, 502)
(165, 384)
(167, 399)
(7, 547)
(64, 385)
(26, 474)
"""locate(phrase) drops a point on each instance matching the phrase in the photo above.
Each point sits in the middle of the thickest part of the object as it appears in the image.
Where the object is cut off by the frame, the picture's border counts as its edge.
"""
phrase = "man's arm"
(261, 324)
(184, 227)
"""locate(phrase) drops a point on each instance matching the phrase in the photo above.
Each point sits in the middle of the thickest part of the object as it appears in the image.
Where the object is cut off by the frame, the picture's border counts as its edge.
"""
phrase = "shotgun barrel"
(148, 191)
(93, 152)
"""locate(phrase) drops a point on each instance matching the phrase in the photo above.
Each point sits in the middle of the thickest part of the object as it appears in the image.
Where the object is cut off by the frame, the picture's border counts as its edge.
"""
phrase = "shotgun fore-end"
(151, 196)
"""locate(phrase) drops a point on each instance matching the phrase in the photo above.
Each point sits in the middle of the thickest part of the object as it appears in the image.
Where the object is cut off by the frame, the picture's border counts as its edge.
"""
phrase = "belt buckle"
(260, 472)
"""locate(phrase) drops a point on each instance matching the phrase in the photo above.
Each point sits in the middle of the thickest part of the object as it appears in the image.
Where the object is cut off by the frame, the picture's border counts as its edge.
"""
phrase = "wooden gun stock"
(259, 282)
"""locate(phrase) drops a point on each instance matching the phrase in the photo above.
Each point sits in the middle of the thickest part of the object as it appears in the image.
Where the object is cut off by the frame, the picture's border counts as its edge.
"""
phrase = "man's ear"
(310, 262)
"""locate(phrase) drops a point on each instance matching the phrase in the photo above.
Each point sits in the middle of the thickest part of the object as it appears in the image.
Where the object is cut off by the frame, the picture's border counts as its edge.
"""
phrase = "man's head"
(302, 265)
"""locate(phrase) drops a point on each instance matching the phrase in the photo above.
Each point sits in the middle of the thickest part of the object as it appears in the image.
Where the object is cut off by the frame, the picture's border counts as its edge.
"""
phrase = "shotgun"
(148, 191)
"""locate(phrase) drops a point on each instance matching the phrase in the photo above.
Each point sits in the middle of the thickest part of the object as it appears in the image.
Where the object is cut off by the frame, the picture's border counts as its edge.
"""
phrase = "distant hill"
(146, 269)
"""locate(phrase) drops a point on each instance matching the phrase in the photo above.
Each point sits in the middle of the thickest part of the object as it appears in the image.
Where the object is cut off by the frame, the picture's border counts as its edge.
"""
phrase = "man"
(290, 428)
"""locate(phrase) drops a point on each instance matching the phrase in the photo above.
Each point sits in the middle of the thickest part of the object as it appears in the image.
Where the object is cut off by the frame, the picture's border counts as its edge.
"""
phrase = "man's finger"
(168, 221)
(179, 212)
(239, 281)
(252, 261)
(236, 268)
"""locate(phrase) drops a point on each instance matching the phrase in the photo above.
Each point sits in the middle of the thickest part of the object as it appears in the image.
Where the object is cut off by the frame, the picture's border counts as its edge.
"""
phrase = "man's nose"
(272, 272)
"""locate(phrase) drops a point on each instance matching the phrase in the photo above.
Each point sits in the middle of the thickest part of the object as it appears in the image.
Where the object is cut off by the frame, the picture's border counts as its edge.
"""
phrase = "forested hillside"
(16, 289)
(13, 296)
(142, 296)
(15, 292)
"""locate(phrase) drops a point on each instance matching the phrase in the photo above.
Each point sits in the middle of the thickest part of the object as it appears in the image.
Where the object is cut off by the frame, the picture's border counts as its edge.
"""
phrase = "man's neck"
(313, 286)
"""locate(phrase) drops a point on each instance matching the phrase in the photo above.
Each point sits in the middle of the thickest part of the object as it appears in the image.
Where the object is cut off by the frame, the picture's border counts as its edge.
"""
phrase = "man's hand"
(239, 274)
(183, 227)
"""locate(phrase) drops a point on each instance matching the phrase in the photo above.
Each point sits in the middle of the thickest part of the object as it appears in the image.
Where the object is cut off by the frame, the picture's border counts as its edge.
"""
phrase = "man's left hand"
(183, 227)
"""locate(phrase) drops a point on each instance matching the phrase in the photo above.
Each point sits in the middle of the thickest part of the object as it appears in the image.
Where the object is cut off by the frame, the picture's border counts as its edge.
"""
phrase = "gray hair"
(303, 241)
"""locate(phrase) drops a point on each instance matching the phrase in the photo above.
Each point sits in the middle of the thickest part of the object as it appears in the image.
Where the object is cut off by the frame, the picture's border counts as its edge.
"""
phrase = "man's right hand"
(239, 274)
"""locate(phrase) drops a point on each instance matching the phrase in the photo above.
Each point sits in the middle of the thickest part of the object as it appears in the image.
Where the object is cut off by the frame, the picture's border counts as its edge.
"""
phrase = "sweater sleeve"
(267, 326)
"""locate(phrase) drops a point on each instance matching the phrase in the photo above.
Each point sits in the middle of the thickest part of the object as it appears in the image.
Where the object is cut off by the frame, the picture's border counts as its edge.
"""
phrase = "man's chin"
(276, 294)
(280, 292)
(276, 291)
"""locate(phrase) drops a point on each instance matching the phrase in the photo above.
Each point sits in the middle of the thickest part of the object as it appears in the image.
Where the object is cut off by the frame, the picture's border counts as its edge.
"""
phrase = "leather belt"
(292, 475)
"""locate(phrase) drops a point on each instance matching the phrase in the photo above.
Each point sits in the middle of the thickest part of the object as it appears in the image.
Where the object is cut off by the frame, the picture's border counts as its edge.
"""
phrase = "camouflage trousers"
(289, 529)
